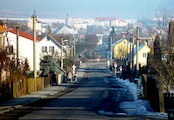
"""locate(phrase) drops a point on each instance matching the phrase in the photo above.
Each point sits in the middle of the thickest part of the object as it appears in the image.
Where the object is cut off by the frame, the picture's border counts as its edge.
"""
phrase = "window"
(51, 49)
(44, 48)
(144, 54)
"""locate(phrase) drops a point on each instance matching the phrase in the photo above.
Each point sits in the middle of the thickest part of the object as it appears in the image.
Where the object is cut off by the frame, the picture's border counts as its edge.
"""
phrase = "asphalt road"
(79, 102)
(82, 103)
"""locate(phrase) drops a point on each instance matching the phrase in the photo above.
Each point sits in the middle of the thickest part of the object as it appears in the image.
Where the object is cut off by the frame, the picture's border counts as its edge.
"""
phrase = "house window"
(145, 55)
(51, 49)
(44, 48)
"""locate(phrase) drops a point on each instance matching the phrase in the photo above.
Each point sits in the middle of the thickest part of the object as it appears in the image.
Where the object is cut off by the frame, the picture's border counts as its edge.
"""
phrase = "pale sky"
(124, 9)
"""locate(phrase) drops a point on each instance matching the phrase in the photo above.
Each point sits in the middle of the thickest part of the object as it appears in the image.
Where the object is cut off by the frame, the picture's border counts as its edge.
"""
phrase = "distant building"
(75, 23)
(110, 21)
(65, 31)
(38, 25)
(100, 39)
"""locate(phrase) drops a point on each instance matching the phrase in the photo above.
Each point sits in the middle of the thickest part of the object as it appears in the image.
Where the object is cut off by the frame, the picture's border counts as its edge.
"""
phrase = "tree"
(49, 65)
(13, 68)
(162, 70)
(26, 65)
(157, 49)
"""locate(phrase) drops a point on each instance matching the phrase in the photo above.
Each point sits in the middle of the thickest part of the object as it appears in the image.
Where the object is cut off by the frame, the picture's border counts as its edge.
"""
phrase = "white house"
(49, 46)
(25, 46)
(44, 46)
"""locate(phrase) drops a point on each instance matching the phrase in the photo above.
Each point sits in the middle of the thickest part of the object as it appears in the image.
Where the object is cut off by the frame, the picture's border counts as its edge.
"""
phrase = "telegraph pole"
(17, 42)
(132, 55)
(34, 45)
(62, 53)
(137, 58)
(111, 49)
(74, 58)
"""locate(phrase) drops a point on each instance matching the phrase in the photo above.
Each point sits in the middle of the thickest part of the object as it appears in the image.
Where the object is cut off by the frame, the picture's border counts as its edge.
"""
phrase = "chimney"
(50, 32)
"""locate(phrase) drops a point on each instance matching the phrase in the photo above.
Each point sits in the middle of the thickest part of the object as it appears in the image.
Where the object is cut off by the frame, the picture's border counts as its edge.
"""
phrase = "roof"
(171, 22)
(123, 20)
(2, 29)
(22, 34)
(55, 41)
(106, 18)
(66, 30)
(118, 41)
(140, 47)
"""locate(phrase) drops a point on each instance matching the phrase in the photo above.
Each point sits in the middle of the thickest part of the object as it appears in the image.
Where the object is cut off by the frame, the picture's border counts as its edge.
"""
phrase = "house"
(65, 31)
(2, 36)
(142, 54)
(45, 46)
(25, 46)
(49, 46)
(120, 48)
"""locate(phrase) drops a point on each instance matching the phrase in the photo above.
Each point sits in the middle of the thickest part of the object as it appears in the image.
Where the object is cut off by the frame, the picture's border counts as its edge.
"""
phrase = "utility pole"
(74, 58)
(137, 58)
(132, 55)
(17, 42)
(111, 49)
(62, 53)
(34, 45)
(127, 58)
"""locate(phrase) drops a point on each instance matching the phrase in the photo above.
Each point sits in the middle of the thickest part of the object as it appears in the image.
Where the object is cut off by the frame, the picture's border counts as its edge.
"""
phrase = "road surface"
(80, 102)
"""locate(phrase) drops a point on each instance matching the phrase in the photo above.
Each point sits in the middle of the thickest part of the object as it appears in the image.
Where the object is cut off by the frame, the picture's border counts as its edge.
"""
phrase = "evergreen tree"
(49, 65)
(157, 49)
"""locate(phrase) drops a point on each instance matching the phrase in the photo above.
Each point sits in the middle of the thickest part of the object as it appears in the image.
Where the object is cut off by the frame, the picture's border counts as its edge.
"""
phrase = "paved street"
(80, 101)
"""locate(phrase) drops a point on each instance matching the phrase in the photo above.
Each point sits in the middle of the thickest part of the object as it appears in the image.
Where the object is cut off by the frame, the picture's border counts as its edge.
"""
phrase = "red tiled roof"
(2, 29)
(123, 20)
(106, 18)
(171, 22)
(23, 34)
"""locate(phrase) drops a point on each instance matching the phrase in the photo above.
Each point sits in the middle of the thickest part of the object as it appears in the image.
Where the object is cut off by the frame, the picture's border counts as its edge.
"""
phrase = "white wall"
(48, 43)
(25, 49)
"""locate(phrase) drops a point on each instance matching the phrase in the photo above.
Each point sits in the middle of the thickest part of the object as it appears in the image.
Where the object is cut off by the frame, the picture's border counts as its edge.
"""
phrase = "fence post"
(161, 100)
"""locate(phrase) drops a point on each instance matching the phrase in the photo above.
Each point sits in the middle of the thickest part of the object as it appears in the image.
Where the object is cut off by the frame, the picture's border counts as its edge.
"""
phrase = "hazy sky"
(123, 9)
